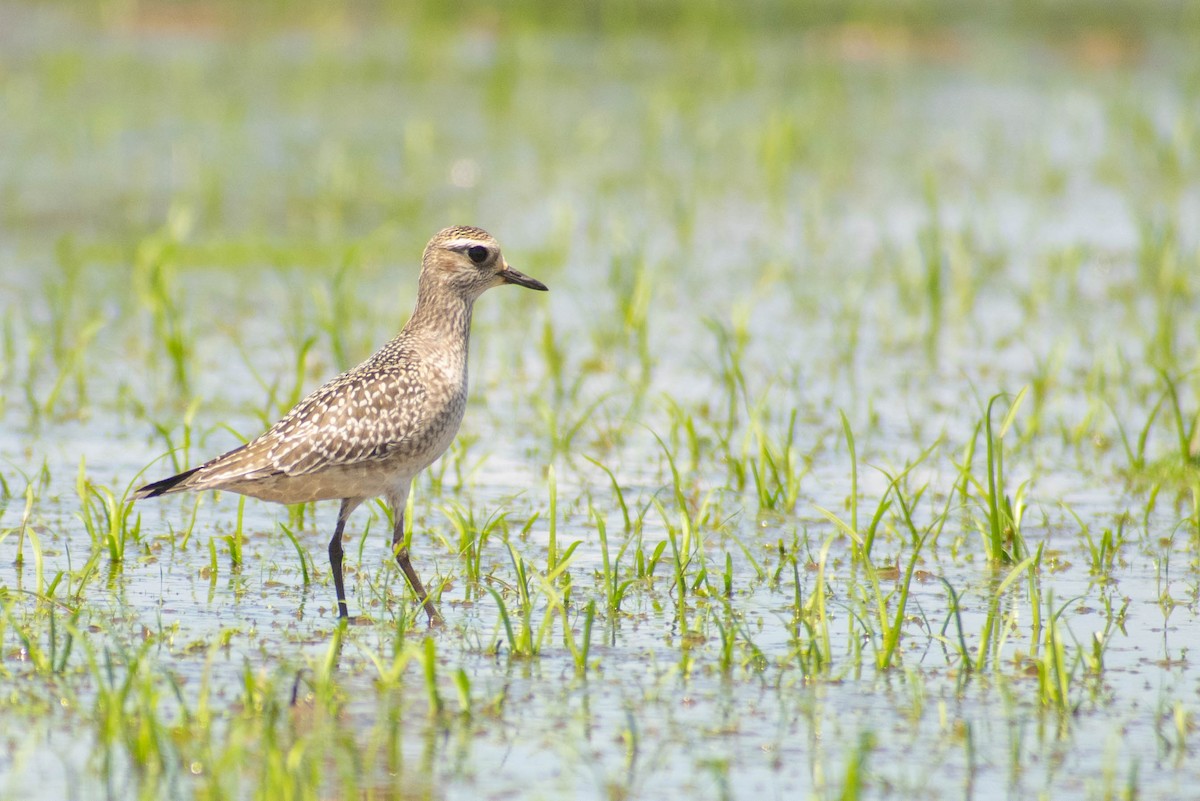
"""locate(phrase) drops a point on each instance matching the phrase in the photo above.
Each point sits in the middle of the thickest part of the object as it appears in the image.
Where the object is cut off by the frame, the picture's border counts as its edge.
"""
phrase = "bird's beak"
(512, 276)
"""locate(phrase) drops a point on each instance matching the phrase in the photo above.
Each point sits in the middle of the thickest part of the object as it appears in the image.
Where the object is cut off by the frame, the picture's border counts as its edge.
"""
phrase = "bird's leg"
(402, 558)
(335, 557)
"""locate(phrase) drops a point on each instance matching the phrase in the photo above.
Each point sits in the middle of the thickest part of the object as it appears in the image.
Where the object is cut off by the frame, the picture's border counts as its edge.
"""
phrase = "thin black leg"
(335, 558)
(406, 565)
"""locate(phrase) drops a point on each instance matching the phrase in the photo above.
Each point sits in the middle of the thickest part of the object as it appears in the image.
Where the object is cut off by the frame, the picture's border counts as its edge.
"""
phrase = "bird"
(368, 432)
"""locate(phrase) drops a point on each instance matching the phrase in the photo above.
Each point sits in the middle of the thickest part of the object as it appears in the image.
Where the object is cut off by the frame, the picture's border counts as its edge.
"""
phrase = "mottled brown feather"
(391, 416)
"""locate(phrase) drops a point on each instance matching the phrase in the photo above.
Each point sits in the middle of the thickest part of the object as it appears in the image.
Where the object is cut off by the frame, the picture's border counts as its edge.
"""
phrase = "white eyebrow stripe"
(462, 243)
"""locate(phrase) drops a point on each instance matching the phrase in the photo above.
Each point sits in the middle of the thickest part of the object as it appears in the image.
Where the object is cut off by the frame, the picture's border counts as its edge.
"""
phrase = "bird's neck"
(443, 320)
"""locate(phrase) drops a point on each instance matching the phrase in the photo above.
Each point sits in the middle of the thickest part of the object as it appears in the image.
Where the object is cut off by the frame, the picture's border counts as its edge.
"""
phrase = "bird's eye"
(478, 254)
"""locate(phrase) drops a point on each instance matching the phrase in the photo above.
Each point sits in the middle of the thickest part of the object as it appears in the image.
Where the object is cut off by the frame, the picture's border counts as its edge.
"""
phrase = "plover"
(371, 430)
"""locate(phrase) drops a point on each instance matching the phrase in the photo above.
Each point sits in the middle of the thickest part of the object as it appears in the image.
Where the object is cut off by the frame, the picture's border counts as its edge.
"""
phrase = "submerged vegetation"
(854, 455)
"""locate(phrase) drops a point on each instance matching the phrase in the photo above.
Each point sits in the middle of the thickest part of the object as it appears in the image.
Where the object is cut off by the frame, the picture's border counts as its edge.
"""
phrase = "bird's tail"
(165, 485)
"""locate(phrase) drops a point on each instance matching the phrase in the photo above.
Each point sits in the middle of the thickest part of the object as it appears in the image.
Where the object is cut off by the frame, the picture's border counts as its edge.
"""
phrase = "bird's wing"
(360, 416)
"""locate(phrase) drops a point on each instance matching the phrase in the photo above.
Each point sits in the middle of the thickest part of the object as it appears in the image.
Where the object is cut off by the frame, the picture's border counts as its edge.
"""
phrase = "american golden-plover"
(371, 430)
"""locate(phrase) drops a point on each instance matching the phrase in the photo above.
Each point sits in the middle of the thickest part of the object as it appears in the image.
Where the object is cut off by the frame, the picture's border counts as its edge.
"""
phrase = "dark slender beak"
(512, 276)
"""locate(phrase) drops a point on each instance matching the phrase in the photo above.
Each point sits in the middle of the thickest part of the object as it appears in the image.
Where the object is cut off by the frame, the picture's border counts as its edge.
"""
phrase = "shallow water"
(734, 229)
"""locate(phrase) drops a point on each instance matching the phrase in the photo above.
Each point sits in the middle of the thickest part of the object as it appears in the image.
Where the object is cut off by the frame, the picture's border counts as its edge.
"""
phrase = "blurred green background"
(754, 218)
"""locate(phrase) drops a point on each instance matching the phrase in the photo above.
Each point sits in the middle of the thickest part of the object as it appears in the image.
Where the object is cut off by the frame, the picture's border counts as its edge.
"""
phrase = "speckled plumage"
(370, 430)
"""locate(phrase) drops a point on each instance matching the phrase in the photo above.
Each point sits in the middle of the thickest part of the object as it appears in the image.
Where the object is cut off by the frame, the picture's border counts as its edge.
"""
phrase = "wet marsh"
(852, 454)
